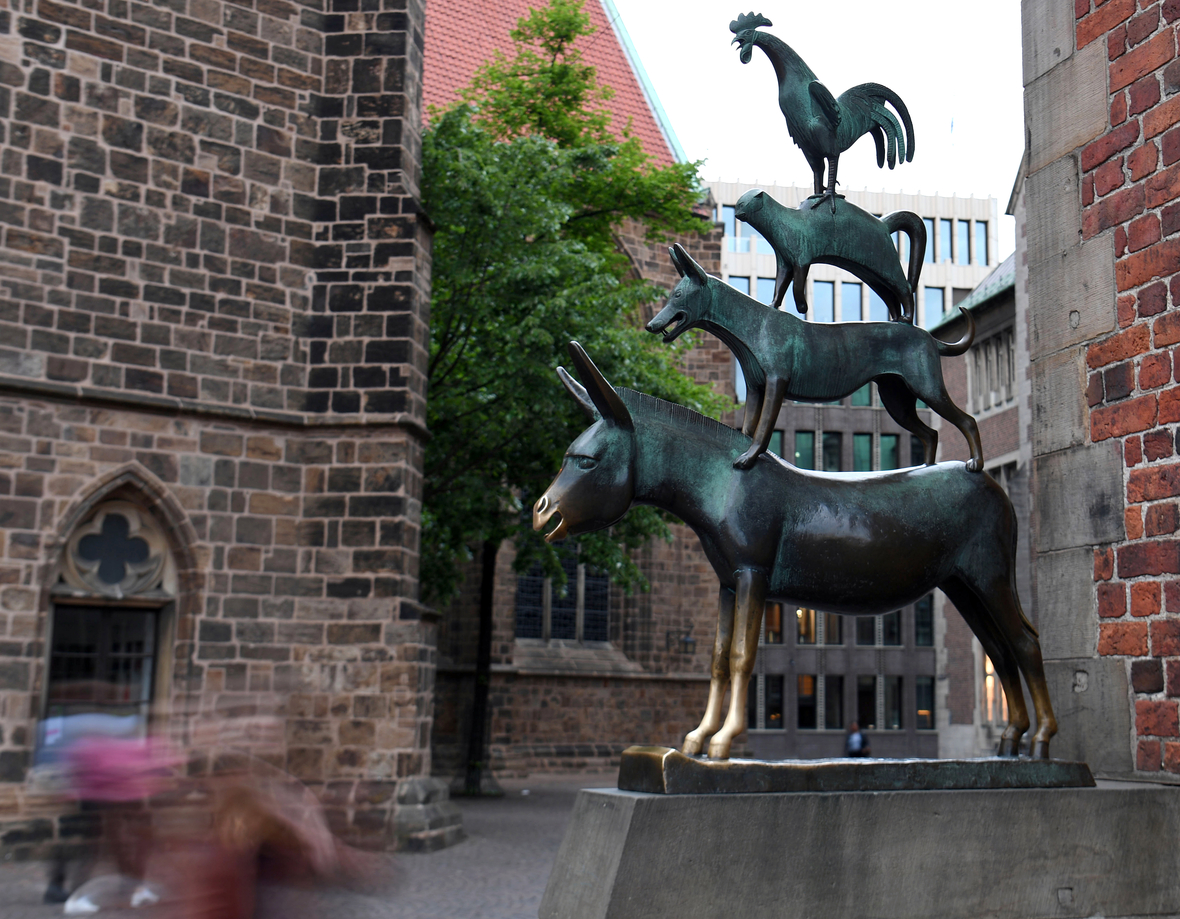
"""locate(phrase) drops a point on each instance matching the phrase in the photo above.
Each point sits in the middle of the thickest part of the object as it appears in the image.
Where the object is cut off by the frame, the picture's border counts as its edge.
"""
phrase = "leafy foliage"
(525, 184)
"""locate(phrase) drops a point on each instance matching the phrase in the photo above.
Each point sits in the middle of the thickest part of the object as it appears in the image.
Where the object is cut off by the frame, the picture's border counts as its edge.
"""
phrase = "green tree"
(525, 183)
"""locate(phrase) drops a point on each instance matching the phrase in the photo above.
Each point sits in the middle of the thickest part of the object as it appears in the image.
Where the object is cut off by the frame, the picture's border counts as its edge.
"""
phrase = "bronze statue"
(783, 357)
(847, 237)
(822, 126)
(857, 544)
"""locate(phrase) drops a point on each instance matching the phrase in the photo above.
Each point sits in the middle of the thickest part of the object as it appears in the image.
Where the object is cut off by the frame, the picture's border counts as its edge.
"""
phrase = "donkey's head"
(596, 484)
(689, 301)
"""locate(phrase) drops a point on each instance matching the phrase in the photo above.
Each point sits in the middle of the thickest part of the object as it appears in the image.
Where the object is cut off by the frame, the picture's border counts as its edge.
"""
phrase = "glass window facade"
(806, 632)
(805, 449)
(776, 443)
(765, 290)
(833, 451)
(773, 683)
(833, 629)
(889, 451)
(806, 697)
(935, 304)
(893, 719)
(945, 230)
(863, 396)
(891, 629)
(878, 311)
(823, 301)
(866, 702)
(833, 701)
(773, 623)
(924, 703)
(740, 282)
(929, 221)
(862, 452)
(924, 622)
(917, 452)
(729, 218)
(849, 301)
(866, 630)
(981, 242)
(963, 243)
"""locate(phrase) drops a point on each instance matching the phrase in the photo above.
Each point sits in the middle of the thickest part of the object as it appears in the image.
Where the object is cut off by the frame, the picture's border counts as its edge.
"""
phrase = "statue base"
(1024, 853)
(664, 771)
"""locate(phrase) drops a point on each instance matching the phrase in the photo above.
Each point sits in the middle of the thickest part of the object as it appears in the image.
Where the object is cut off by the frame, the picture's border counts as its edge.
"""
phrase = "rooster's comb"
(750, 20)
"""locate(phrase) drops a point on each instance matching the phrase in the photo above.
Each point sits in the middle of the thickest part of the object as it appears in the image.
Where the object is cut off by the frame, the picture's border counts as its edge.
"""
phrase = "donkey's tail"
(954, 348)
(915, 228)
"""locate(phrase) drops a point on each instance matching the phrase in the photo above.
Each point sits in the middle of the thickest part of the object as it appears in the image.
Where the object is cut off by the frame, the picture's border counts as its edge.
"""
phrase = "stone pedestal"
(1108, 850)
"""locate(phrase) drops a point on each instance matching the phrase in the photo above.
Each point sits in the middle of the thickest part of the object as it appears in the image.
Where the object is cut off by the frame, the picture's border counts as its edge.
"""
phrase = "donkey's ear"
(578, 391)
(687, 266)
(601, 393)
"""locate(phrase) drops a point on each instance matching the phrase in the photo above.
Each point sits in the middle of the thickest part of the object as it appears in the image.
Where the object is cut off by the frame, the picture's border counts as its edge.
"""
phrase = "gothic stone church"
(213, 296)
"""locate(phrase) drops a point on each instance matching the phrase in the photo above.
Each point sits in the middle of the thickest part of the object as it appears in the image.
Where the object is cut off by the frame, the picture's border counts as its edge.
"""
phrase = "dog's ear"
(686, 265)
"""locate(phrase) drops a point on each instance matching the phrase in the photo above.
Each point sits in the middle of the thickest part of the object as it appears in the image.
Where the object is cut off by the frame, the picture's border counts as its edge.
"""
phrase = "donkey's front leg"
(694, 742)
(750, 601)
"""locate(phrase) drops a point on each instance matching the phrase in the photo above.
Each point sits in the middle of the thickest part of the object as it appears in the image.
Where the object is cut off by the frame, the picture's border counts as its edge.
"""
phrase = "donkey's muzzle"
(544, 511)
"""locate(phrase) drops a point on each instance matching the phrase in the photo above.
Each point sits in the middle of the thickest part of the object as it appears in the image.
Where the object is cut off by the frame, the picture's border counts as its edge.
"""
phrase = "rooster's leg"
(830, 191)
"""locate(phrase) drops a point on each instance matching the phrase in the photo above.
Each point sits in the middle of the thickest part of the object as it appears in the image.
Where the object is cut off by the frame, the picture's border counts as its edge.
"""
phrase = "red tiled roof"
(462, 34)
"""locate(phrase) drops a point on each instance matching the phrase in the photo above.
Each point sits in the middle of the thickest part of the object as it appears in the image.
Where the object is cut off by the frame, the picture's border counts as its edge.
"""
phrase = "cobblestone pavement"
(499, 872)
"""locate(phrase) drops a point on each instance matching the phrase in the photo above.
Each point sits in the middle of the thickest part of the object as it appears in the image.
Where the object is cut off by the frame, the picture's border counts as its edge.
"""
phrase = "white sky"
(951, 63)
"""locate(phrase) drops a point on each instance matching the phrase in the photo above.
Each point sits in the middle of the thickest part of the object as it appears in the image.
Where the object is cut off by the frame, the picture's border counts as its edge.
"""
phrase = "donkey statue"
(850, 543)
(783, 357)
(849, 238)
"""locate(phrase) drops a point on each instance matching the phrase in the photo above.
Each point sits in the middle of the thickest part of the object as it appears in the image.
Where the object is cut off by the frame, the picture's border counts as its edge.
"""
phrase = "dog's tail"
(955, 348)
(915, 228)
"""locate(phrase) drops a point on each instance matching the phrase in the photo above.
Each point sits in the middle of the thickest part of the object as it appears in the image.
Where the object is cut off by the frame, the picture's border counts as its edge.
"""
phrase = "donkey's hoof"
(692, 746)
(975, 465)
(1040, 749)
(1009, 746)
(718, 752)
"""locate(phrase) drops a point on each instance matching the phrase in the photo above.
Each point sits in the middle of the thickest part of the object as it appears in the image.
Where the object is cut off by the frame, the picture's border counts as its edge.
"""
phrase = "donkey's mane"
(678, 416)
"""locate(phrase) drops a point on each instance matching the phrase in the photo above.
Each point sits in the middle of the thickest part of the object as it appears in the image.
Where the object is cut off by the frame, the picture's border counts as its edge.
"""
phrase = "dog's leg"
(902, 407)
(799, 288)
(772, 401)
(755, 397)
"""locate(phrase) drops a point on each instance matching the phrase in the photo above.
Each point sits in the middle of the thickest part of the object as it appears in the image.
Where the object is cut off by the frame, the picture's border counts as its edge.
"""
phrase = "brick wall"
(1130, 180)
(214, 291)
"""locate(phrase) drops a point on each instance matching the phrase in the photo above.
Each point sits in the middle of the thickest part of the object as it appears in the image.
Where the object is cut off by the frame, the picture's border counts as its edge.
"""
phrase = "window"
(891, 629)
(833, 702)
(924, 703)
(878, 311)
(995, 704)
(863, 396)
(102, 651)
(866, 630)
(806, 701)
(759, 242)
(578, 611)
(729, 218)
(963, 254)
(889, 450)
(739, 382)
(806, 632)
(774, 701)
(934, 305)
(944, 240)
(929, 221)
(866, 702)
(924, 622)
(893, 703)
(833, 450)
(917, 451)
(805, 449)
(733, 230)
(766, 290)
(823, 301)
(773, 624)
(833, 625)
(992, 378)
(862, 452)
(980, 242)
(776, 443)
(739, 282)
(849, 301)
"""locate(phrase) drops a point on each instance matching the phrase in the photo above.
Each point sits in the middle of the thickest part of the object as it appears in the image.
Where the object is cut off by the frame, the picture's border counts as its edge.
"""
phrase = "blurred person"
(856, 743)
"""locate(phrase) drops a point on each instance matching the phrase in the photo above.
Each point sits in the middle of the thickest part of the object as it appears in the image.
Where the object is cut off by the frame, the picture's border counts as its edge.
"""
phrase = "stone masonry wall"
(214, 290)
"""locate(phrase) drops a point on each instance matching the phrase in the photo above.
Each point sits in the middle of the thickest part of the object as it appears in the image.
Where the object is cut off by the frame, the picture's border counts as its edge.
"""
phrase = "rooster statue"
(822, 126)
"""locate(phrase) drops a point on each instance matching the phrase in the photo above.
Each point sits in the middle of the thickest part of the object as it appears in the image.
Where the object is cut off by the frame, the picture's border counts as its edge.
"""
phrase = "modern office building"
(818, 672)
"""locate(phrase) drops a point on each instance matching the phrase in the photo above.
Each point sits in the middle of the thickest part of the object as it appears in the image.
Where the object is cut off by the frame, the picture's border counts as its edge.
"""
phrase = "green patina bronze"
(782, 356)
(821, 125)
(844, 236)
(847, 543)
